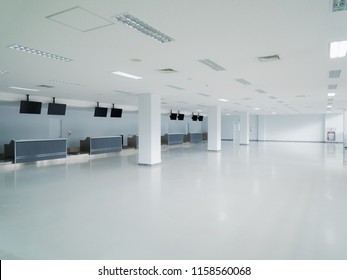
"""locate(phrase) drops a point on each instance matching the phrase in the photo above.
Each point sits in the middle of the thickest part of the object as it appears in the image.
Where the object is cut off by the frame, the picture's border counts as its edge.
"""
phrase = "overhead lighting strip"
(39, 53)
(212, 64)
(25, 89)
(127, 75)
(143, 27)
(338, 49)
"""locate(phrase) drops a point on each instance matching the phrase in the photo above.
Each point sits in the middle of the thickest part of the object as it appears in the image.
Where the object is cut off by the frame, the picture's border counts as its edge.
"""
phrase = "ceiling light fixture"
(212, 64)
(175, 87)
(273, 113)
(329, 106)
(257, 109)
(338, 49)
(243, 81)
(67, 83)
(142, 27)
(334, 74)
(127, 75)
(39, 53)
(331, 94)
(222, 99)
(25, 89)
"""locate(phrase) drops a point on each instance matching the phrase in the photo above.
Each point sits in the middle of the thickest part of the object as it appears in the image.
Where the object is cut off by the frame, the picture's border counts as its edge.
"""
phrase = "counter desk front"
(101, 145)
(24, 151)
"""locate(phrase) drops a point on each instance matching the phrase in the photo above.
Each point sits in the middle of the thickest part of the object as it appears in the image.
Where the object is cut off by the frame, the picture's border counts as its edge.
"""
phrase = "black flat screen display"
(180, 117)
(173, 116)
(30, 107)
(116, 113)
(56, 109)
(100, 112)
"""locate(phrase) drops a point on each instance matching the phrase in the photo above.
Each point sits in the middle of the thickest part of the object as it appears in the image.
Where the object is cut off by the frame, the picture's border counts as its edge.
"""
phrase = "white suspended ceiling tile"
(80, 19)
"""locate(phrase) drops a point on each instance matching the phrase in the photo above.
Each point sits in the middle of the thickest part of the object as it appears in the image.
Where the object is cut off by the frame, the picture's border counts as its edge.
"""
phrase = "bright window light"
(222, 99)
(127, 75)
(338, 49)
(331, 94)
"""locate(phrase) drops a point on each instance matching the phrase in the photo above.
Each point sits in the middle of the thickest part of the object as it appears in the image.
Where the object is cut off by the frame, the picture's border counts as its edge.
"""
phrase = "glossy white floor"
(264, 201)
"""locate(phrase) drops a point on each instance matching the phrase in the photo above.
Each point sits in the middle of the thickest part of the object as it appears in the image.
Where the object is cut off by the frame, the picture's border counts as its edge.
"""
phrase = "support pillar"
(214, 129)
(244, 128)
(149, 129)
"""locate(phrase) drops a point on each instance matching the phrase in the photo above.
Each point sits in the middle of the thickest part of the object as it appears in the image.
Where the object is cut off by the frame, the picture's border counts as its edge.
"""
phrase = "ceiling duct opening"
(167, 70)
(269, 58)
(334, 74)
(45, 86)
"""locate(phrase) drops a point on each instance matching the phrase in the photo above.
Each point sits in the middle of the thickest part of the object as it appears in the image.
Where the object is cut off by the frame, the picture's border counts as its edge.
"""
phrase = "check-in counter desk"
(172, 139)
(345, 150)
(101, 145)
(133, 142)
(23, 151)
(195, 137)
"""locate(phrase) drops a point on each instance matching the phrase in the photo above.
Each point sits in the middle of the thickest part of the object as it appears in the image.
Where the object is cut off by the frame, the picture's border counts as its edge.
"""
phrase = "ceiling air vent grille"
(261, 91)
(339, 5)
(212, 64)
(269, 58)
(45, 86)
(332, 86)
(334, 74)
(175, 87)
(243, 81)
(167, 70)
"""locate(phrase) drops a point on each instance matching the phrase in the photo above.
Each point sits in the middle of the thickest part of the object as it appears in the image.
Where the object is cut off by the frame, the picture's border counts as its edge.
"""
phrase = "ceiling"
(232, 33)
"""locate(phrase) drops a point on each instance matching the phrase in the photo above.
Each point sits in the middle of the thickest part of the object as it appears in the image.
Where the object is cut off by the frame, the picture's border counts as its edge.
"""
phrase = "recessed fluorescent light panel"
(338, 49)
(331, 94)
(67, 83)
(25, 89)
(127, 75)
(212, 64)
(334, 74)
(332, 86)
(257, 109)
(329, 106)
(222, 99)
(142, 27)
(204, 94)
(175, 87)
(39, 53)
(261, 91)
(243, 81)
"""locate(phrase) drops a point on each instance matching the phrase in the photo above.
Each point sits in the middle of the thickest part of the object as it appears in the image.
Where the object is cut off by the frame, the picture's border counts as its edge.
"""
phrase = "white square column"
(149, 129)
(214, 129)
(244, 128)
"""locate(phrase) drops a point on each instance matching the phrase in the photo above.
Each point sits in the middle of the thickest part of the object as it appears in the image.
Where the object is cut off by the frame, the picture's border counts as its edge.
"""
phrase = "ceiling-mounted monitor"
(30, 107)
(116, 113)
(100, 112)
(200, 118)
(56, 109)
(194, 118)
(180, 117)
(173, 116)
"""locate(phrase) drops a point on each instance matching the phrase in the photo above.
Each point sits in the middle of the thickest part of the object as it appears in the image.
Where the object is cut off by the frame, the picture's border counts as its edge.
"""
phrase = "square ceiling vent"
(80, 19)
(269, 58)
(339, 5)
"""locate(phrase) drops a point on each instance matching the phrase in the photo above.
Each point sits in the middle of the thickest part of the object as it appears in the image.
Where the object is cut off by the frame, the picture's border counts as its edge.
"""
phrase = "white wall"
(81, 123)
(292, 127)
(186, 126)
(228, 127)
(334, 122)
